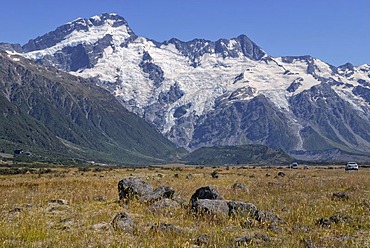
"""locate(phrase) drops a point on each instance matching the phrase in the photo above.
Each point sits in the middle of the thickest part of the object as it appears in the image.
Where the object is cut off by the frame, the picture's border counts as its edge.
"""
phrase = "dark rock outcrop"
(207, 192)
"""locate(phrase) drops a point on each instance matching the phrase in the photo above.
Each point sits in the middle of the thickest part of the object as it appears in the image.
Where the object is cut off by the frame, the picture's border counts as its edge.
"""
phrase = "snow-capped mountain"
(227, 92)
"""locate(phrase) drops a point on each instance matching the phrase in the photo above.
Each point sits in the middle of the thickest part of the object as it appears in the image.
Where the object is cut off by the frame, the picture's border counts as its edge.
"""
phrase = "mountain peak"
(79, 25)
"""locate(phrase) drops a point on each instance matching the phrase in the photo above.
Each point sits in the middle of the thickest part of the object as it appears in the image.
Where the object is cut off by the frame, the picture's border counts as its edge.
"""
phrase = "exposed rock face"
(64, 115)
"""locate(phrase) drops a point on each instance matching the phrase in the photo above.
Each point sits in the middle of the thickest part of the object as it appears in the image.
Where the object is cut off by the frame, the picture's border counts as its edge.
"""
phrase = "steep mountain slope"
(228, 92)
(57, 113)
(231, 155)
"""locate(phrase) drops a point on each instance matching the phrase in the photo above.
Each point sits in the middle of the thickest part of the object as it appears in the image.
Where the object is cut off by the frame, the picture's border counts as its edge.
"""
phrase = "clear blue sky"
(335, 31)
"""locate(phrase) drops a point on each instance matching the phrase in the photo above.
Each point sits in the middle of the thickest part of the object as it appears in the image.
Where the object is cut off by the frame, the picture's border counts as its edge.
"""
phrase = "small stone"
(99, 198)
(101, 226)
(240, 187)
(164, 205)
(203, 240)
(323, 222)
(281, 174)
(308, 243)
(58, 202)
(123, 222)
(266, 217)
(341, 196)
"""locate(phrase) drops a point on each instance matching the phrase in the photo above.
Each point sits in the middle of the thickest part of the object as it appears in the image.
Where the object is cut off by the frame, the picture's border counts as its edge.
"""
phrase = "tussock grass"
(300, 199)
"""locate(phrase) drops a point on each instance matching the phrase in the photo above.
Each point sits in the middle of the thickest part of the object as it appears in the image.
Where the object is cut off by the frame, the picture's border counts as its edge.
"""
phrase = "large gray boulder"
(239, 208)
(130, 188)
(159, 193)
(218, 208)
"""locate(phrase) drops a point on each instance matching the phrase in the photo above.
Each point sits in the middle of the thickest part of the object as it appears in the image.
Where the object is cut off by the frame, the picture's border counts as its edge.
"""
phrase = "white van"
(351, 166)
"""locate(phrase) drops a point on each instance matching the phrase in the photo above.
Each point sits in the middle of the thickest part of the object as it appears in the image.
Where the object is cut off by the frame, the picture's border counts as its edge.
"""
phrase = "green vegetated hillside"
(60, 116)
(245, 154)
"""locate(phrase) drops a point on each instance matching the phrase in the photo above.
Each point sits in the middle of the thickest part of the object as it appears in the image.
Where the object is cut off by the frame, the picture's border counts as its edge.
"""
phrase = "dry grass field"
(70, 207)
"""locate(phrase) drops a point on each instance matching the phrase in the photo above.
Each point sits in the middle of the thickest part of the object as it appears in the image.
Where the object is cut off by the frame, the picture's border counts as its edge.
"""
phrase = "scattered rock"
(247, 224)
(281, 174)
(15, 210)
(308, 243)
(99, 198)
(340, 218)
(341, 196)
(130, 188)
(323, 222)
(257, 238)
(158, 194)
(164, 205)
(366, 203)
(202, 240)
(239, 208)
(240, 187)
(189, 177)
(101, 226)
(266, 217)
(275, 183)
(216, 208)
(214, 174)
(243, 239)
(123, 222)
(58, 202)
(275, 228)
(207, 192)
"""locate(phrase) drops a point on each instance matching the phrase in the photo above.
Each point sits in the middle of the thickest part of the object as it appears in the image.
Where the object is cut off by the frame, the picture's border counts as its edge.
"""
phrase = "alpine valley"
(203, 93)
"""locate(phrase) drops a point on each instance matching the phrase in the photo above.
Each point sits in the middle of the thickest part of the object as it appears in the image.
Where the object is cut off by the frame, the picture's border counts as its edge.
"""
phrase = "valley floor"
(74, 207)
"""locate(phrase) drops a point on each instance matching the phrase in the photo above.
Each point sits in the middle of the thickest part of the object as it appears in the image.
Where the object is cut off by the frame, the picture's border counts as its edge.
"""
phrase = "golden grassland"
(300, 199)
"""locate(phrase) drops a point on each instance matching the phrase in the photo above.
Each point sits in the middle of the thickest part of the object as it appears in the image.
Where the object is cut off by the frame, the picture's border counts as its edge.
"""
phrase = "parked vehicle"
(351, 166)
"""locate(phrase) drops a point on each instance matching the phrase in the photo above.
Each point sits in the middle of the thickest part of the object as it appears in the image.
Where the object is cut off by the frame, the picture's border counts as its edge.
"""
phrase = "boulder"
(203, 240)
(130, 188)
(217, 208)
(239, 208)
(240, 187)
(207, 192)
(341, 196)
(164, 205)
(266, 217)
(158, 194)
(123, 222)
